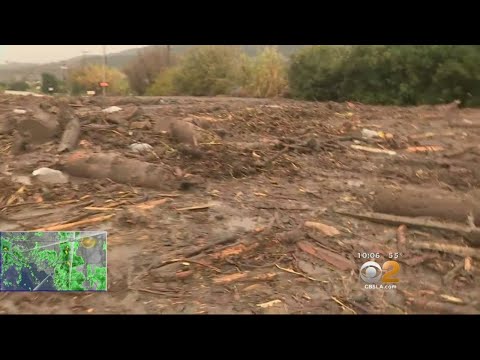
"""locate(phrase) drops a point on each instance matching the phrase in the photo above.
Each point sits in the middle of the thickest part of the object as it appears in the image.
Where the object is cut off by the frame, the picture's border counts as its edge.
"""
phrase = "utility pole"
(168, 55)
(84, 53)
(104, 89)
(64, 78)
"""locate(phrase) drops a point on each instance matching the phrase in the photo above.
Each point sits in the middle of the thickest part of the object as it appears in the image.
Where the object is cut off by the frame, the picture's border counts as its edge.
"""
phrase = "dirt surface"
(258, 231)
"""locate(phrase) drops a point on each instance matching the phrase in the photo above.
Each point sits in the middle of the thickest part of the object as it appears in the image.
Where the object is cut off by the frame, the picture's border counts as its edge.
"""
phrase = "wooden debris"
(343, 305)
(155, 292)
(264, 277)
(432, 148)
(402, 238)
(59, 227)
(290, 271)
(116, 204)
(373, 150)
(224, 240)
(151, 204)
(442, 308)
(452, 299)
(414, 201)
(66, 202)
(327, 230)
(469, 233)
(269, 304)
(451, 274)
(192, 208)
(120, 169)
(336, 260)
(233, 250)
(169, 195)
(447, 248)
(94, 208)
(468, 264)
(229, 278)
(184, 274)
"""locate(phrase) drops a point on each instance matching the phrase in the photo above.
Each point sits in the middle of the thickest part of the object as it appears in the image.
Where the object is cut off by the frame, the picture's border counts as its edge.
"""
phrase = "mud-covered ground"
(260, 228)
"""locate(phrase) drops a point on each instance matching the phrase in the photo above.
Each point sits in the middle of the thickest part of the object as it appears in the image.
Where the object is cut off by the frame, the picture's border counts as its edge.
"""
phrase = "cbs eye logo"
(372, 273)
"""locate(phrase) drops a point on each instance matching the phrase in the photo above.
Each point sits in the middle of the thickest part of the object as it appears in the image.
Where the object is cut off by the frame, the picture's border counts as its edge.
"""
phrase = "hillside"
(32, 72)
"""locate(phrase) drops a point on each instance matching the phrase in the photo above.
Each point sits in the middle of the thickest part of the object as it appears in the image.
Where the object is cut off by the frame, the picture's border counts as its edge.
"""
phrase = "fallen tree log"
(122, 170)
(424, 202)
(472, 234)
(70, 136)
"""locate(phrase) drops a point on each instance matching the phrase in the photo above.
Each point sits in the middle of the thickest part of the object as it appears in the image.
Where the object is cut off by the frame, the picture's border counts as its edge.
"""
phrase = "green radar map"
(53, 261)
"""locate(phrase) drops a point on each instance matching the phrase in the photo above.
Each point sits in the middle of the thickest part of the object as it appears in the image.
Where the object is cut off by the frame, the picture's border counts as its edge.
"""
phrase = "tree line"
(380, 74)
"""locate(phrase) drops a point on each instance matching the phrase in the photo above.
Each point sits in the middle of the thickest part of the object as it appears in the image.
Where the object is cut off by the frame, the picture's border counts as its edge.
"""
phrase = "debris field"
(249, 206)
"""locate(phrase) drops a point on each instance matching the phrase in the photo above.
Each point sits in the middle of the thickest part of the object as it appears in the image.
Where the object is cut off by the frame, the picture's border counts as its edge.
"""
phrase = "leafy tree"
(90, 77)
(267, 75)
(49, 81)
(209, 70)
(144, 69)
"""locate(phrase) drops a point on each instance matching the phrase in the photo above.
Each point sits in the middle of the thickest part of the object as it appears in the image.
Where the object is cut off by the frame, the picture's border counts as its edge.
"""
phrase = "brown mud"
(257, 231)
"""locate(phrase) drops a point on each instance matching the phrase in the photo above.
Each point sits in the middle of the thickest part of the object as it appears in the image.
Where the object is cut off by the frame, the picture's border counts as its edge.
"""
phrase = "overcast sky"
(48, 53)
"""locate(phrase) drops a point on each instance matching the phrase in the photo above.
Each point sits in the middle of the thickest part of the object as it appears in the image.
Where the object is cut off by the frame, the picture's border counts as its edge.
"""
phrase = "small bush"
(49, 81)
(267, 74)
(18, 86)
(164, 83)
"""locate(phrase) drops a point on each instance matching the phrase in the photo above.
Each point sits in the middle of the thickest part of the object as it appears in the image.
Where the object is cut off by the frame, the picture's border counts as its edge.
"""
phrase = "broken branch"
(59, 227)
(465, 231)
(447, 248)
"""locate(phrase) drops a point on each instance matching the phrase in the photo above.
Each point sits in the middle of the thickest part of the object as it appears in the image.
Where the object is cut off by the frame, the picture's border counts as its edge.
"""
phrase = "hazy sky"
(48, 53)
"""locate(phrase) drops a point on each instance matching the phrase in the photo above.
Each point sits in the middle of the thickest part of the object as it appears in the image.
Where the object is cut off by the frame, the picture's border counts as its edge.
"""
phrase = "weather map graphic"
(53, 261)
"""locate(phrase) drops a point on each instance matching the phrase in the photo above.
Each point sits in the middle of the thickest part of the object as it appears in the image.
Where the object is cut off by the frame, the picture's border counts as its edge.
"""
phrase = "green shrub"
(164, 83)
(208, 71)
(49, 81)
(387, 74)
(315, 72)
(18, 86)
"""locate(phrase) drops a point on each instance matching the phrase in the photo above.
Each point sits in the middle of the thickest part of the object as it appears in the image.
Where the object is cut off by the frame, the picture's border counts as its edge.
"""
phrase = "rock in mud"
(112, 109)
(128, 113)
(50, 176)
(183, 132)
(38, 126)
(141, 125)
(141, 148)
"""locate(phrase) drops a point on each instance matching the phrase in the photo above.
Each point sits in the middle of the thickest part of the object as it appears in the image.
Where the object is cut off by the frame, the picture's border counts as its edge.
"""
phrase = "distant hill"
(32, 72)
